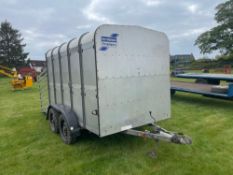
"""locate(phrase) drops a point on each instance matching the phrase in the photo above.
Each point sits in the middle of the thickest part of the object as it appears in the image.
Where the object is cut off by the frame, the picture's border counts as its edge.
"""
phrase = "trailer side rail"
(43, 89)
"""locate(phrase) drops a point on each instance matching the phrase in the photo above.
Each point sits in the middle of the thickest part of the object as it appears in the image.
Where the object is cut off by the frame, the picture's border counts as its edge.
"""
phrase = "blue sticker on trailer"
(108, 41)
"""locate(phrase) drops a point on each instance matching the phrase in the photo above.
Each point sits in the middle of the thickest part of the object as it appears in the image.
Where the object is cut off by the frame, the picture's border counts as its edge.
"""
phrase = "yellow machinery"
(17, 81)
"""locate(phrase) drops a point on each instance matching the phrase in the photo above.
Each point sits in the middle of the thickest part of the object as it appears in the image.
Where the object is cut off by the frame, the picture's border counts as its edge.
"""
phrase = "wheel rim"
(52, 121)
(64, 130)
(66, 134)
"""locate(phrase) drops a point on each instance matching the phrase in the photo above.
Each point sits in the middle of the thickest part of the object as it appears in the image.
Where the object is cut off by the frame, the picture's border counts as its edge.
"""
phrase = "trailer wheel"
(53, 120)
(173, 92)
(65, 132)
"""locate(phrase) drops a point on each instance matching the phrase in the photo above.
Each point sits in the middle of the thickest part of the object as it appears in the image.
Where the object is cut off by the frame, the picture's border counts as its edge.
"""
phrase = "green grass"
(183, 79)
(28, 147)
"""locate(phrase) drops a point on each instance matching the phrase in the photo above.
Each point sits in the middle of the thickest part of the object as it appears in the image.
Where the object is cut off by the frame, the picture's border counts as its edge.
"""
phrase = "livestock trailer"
(109, 81)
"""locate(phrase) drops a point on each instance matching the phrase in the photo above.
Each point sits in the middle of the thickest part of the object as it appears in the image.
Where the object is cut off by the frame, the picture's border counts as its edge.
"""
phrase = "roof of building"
(37, 63)
(182, 56)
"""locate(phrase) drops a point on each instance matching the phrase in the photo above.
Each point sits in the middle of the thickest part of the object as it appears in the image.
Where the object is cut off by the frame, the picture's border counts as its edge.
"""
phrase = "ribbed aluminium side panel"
(89, 83)
(57, 76)
(65, 75)
(76, 80)
(50, 78)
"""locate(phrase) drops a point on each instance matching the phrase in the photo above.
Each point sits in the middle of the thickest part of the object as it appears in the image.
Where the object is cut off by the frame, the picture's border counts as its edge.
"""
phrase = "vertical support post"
(70, 75)
(46, 57)
(41, 106)
(54, 86)
(82, 78)
(97, 84)
(60, 67)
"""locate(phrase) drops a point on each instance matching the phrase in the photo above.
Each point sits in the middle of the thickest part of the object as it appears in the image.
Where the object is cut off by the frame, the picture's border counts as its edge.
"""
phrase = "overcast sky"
(46, 23)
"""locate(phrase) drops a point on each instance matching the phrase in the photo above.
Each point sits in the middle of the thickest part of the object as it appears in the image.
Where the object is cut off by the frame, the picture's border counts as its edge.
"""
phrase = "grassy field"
(28, 147)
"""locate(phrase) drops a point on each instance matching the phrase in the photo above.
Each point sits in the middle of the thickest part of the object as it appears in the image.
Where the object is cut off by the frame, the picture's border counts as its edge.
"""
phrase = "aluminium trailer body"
(109, 81)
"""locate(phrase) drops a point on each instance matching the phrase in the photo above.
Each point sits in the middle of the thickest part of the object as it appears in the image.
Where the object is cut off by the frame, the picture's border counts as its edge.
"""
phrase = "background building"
(37, 65)
(181, 59)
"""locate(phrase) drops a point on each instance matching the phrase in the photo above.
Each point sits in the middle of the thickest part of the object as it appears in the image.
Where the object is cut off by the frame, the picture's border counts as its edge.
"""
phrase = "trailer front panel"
(133, 77)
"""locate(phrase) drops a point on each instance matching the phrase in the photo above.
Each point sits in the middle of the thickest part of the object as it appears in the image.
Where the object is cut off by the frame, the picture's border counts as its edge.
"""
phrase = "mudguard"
(69, 115)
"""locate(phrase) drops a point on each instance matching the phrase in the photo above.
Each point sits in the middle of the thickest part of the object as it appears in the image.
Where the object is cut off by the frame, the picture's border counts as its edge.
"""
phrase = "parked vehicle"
(18, 82)
(177, 71)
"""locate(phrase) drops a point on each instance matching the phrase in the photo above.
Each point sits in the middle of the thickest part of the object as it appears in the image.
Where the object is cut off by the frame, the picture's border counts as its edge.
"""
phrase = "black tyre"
(66, 135)
(53, 120)
(173, 92)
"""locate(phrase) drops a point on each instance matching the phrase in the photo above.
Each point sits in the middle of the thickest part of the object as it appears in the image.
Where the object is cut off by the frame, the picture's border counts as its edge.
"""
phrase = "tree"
(220, 37)
(11, 47)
